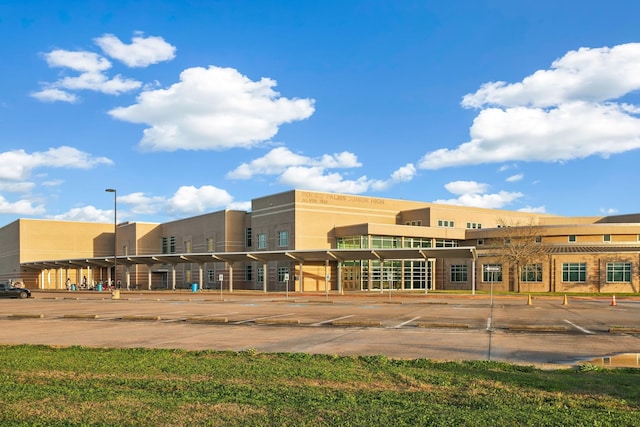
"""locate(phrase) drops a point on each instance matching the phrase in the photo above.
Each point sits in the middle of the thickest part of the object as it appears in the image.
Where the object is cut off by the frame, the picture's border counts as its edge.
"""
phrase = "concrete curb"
(535, 328)
(137, 318)
(624, 329)
(435, 325)
(365, 323)
(277, 321)
(26, 316)
(80, 316)
(207, 319)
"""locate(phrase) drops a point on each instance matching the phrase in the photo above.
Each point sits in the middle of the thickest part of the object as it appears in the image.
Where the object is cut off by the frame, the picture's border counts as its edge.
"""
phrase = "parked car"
(8, 291)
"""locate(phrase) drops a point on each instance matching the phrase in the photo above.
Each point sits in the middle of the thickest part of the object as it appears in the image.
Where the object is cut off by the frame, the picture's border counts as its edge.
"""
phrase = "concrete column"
(230, 277)
(265, 273)
(149, 277)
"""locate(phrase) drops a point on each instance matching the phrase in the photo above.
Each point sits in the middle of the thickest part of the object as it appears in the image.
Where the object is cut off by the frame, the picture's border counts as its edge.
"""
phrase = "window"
(480, 242)
(260, 275)
(262, 241)
(352, 242)
(492, 273)
(283, 239)
(459, 273)
(282, 273)
(187, 246)
(385, 242)
(574, 272)
(606, 237)
(538, 239)
(417, 242)
(210, 246)
(445, 223)
(444, 243)
(211, 276)
(531, 273)
(474, 225)
(248, 272)
(618, 272)
(572, 238)
(168, 245)
(248, 238)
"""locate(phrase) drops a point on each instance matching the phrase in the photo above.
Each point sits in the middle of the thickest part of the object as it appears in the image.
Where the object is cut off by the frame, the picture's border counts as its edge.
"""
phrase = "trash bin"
(73, 287)
(115, 294)
(99, 287)
(194, 287)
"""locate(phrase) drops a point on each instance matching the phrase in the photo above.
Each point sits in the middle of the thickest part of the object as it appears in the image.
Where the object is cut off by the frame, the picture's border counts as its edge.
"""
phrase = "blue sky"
(189, 107)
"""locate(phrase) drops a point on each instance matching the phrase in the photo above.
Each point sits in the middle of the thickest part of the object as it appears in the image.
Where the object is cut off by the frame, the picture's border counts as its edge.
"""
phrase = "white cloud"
(142, 52)
(280, 159)
(531, 209)
(17, 165)
(405, 173)
(316, 178)
(565, 113)
(515, 178)
(54, 95)
(82, 61)
(609, 211)
(142, 204)
(192, 200)
(310, 173)
(92, 69)
(592, 75)
(212, 109)
(16, 187)
(86, 214)
(98, 82)
(466, 187)
(471, 193)
(20, 207)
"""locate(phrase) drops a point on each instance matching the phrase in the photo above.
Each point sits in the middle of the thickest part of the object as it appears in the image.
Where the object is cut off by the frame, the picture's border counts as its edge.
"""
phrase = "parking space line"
(261, 318)
(405, 323)
(331, 320)
(586, 331)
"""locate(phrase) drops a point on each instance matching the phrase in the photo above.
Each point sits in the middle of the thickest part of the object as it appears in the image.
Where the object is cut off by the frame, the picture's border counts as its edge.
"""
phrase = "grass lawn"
(79, 386)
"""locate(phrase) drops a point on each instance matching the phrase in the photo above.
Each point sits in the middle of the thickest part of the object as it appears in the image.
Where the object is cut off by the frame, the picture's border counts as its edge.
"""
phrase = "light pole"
(115, 230)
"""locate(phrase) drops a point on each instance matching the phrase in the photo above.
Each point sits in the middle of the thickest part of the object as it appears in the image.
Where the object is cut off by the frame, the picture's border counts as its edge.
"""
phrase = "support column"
(300, 281)
(230, 277)
(127, 275)
(473, 277)
(149, 277)
(200, 275)
(173, 277)
(265, 273)
(339, 278)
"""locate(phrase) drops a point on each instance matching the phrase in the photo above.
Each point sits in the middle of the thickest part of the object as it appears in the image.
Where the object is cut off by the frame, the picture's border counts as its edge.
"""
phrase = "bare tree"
(521, 245)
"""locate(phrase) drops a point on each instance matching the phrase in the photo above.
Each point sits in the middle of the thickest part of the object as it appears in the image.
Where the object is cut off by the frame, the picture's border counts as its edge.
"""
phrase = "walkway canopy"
(301, 256)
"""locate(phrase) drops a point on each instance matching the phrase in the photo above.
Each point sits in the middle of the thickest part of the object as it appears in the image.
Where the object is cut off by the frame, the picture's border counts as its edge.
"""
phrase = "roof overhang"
(301, 256)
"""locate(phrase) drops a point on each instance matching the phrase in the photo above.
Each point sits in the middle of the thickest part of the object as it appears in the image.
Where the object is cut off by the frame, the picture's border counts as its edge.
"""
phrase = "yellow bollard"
(565, 302)
(529, 300)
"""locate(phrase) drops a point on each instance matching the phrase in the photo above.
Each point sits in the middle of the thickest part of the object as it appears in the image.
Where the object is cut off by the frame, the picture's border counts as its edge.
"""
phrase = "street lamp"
(115, 230)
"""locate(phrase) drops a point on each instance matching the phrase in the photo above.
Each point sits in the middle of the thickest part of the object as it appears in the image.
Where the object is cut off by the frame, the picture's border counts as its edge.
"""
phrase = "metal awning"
(303, 256)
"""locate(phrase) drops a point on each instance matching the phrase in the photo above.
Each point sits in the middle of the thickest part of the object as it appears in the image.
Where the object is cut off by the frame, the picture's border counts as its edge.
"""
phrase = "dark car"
(8, 291)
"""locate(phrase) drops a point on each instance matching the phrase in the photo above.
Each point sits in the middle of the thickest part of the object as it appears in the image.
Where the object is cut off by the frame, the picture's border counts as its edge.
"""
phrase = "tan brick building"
(314, 241)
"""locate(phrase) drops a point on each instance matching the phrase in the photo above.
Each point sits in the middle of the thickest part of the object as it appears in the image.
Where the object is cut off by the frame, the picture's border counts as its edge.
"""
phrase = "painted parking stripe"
(405, 323)
(586, 331)
(331, 320)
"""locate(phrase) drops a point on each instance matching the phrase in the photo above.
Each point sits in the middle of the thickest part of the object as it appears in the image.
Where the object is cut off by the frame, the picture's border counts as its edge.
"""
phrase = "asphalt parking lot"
(543, 330)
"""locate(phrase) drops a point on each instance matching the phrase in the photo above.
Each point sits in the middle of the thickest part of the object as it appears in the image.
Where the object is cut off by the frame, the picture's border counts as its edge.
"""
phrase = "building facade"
(310, 241)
